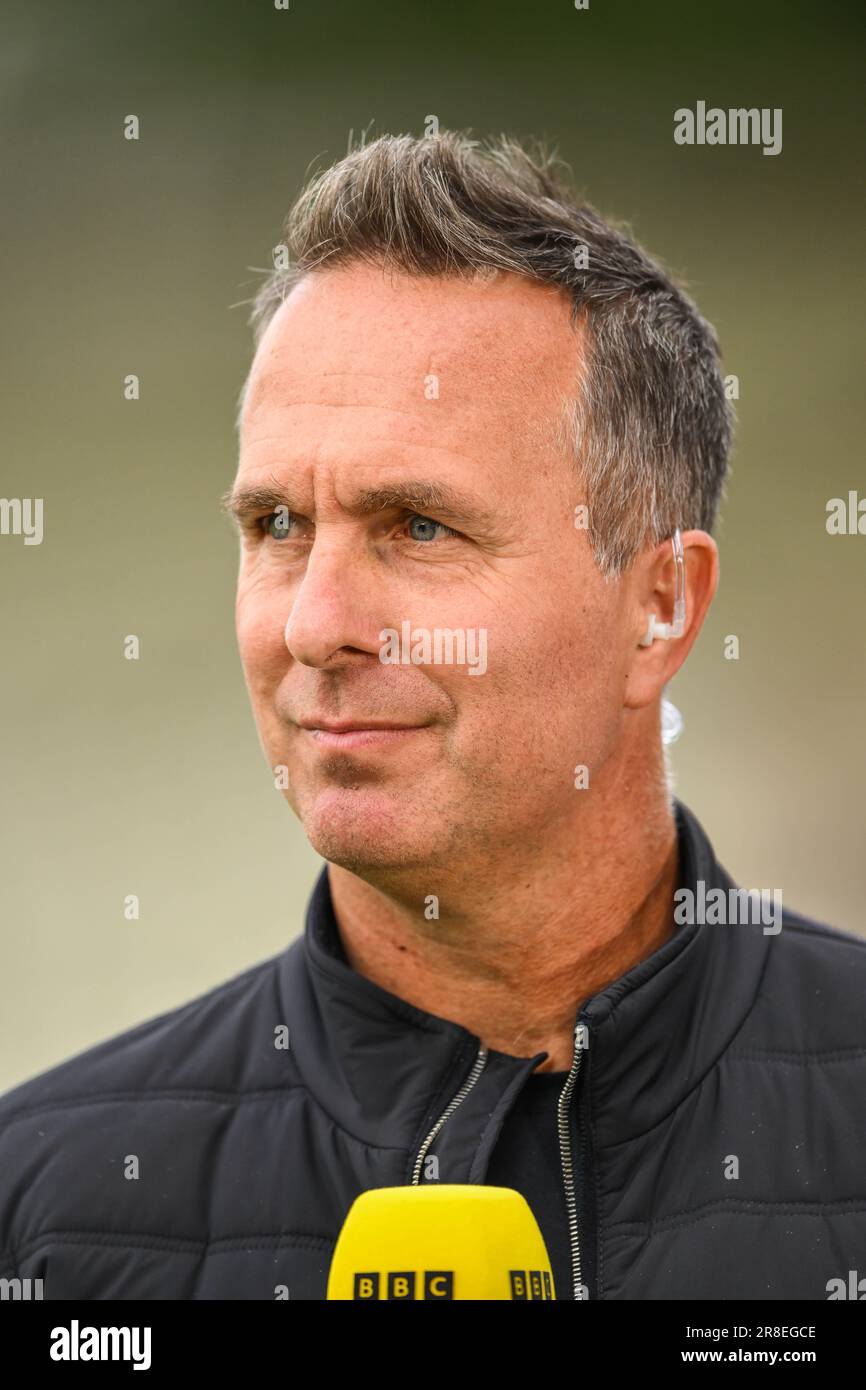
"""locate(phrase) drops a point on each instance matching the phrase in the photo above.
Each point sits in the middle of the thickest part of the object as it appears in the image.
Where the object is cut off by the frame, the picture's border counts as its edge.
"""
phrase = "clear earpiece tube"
(677, 627)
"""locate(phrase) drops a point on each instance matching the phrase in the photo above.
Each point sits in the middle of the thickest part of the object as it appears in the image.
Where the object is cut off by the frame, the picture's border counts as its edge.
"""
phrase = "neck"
(520, 945)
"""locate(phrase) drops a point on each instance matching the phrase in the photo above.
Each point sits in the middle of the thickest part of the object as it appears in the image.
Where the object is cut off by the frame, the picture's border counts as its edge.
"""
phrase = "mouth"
(350, 734)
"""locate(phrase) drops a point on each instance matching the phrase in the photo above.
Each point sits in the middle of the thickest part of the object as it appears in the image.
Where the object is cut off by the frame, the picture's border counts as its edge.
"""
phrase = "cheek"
(567, 686)
(260, 620)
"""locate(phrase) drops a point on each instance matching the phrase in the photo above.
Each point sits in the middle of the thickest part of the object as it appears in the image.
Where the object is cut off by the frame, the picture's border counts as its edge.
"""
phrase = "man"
(482, 446)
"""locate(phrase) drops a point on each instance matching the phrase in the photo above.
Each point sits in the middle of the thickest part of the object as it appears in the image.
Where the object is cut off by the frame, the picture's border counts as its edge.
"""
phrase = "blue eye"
(277, 524)
(427, 528)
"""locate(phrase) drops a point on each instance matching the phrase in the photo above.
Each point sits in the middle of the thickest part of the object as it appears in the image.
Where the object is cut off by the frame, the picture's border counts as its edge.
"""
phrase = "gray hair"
(649, 424)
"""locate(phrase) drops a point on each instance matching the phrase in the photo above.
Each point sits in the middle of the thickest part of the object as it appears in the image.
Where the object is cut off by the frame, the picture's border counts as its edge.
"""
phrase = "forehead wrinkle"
(386, 441)
(411, 494)
(272, 391)
(271, 374)
(338, 405)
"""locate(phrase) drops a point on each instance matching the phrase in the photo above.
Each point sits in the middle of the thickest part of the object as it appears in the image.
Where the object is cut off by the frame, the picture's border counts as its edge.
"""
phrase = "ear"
(654, 591)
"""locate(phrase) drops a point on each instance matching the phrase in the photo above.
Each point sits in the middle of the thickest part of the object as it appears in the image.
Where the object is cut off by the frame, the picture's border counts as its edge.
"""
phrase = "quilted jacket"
(718, 1122)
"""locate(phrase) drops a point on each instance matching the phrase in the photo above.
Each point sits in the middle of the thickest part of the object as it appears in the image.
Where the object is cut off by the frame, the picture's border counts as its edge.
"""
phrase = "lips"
(356, 733)
(348, 726)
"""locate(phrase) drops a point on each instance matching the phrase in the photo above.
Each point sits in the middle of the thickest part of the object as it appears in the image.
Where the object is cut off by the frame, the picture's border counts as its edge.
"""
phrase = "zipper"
(581, 1041)
(477, 1068)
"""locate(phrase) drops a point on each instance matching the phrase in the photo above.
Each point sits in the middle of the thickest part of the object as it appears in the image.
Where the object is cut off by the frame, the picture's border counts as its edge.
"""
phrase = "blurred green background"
(146, 777)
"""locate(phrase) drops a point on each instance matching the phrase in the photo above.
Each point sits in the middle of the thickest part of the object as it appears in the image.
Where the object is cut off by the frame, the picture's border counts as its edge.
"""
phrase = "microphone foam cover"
(443, 1242)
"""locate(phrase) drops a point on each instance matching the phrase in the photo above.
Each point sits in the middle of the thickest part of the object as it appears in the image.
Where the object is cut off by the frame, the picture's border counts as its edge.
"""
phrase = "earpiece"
(665, 631)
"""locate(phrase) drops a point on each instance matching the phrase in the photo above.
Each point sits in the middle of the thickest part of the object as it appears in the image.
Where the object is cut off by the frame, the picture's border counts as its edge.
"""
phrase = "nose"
(334, 606)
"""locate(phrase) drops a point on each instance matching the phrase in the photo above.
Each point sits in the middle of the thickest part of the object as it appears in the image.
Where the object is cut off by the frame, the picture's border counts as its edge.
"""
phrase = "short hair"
(649, 424)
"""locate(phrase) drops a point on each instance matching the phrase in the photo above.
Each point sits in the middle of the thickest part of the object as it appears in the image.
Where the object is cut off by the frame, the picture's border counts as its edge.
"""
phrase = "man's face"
(369, 387)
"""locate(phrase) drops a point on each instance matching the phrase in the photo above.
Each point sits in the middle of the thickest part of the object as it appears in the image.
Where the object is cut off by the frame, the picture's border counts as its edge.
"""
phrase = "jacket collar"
(380, 1066)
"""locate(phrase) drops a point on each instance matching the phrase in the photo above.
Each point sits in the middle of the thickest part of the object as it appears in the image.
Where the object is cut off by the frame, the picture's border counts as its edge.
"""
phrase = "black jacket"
(729, 1042)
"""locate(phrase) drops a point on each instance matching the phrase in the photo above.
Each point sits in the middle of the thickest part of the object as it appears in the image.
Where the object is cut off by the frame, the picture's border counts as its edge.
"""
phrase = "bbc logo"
(530, 1283)
(369, 1286)
(436, 1284)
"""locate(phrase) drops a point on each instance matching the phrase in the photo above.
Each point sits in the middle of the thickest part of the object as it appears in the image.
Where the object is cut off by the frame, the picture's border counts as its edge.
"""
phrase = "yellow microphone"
(438, 1243)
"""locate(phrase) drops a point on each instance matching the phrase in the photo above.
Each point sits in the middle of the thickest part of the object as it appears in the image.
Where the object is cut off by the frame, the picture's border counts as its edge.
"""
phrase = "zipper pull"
(581, 1043)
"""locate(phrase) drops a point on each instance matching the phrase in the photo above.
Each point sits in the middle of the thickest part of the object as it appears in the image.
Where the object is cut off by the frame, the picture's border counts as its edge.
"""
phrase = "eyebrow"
(413, 495)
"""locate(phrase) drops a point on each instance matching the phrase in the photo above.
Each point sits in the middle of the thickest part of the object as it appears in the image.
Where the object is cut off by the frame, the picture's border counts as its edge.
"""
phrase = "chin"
(361, 829)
